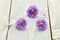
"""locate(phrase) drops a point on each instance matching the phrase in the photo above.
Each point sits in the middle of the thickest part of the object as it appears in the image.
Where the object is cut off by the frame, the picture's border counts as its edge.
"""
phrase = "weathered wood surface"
(19, 7)
(4, 15)
(55, 20)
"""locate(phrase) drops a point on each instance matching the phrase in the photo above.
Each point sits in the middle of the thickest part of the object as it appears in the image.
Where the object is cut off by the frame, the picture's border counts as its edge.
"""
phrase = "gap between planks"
(48, 8)
(9, 19)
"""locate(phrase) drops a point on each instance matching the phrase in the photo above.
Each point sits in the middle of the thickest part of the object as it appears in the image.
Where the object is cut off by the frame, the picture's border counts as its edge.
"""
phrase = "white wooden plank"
(4, 11)
(55, 20)
(19, 8)
(3, 37)
(44, 35)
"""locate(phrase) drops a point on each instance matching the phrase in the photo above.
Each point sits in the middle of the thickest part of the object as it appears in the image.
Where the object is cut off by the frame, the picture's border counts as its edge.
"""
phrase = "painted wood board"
(19, 8)
(55, 20)
(4, 14)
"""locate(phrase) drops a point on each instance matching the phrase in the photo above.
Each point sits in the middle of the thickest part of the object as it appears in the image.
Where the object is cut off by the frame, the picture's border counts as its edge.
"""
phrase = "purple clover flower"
(21, 24)
(32, 11)
(41, 24)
